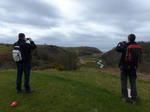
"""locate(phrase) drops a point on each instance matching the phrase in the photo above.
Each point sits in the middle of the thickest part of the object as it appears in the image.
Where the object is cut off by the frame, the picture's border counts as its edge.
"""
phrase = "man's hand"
(26, 39)
(30, 39)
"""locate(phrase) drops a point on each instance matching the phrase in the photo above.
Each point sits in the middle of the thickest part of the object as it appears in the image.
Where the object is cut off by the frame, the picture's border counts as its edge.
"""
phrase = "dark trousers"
(131, 74)
(20, 69)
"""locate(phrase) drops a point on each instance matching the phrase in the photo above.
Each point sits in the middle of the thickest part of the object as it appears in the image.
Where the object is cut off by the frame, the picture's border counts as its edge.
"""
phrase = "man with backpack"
(24, 64)
(128, 64)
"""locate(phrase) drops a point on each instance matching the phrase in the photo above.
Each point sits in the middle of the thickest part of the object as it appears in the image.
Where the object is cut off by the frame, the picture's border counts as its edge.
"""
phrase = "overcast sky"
(74, 23)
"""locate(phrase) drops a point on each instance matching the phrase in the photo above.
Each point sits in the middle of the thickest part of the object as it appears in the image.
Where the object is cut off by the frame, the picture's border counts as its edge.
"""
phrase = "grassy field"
(71, 91)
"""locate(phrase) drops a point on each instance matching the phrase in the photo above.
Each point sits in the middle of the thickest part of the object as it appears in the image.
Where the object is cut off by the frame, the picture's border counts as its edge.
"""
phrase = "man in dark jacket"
(25, 64)
(127, 71)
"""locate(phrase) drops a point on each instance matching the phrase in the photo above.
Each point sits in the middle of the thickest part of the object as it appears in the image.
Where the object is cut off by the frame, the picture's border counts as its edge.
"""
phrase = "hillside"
(72, 58)
(43, 57)
(83, 51)
(48, 56)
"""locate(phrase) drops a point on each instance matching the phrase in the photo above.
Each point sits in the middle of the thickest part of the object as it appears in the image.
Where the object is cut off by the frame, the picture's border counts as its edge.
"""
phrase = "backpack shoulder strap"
(134, 46)
(22, 43)
(19, 44)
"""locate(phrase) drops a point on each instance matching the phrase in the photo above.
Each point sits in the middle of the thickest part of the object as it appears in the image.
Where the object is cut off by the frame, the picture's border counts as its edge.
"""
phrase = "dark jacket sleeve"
(121, 47)
(32, 45)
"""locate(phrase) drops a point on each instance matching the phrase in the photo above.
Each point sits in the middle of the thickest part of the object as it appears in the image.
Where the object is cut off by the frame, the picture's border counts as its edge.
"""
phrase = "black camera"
(123, 42)
(27, 38)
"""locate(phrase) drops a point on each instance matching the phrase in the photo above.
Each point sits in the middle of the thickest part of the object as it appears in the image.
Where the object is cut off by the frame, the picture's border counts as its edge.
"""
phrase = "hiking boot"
(124, 99)
(29, 91)
(19, 91)
(134, 102)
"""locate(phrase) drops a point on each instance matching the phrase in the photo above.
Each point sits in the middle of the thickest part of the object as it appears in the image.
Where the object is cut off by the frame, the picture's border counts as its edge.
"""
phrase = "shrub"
(52, 54)
(57, 66)
(6, 60)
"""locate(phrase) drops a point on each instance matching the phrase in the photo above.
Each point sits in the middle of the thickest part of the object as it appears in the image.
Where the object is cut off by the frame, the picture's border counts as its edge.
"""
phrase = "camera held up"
(27, 38)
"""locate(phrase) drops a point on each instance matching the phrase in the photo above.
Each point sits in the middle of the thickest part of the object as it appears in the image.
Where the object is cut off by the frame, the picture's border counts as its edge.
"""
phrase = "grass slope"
(71, 91)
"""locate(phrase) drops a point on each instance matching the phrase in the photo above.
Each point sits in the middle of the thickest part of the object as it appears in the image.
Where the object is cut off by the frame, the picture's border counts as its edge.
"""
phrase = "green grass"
(5, 47)
(71, 91)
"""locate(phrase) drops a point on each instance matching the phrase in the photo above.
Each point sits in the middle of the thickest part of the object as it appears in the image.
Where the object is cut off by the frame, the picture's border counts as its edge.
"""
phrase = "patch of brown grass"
(116, 71)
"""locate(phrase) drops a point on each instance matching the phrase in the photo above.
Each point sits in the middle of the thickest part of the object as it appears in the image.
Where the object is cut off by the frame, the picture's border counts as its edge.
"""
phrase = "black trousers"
(131, 74)
(20, 69)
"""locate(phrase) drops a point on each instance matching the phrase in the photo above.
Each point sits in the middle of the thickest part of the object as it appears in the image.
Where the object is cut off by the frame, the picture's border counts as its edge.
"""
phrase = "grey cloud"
(50, 25)
(124, 14)
(50, 39)
(30, 12)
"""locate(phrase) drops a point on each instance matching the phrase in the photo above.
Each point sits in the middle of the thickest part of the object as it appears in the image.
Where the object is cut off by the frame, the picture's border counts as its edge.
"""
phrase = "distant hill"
(112, 57)
(43, 57)
(82, 51)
